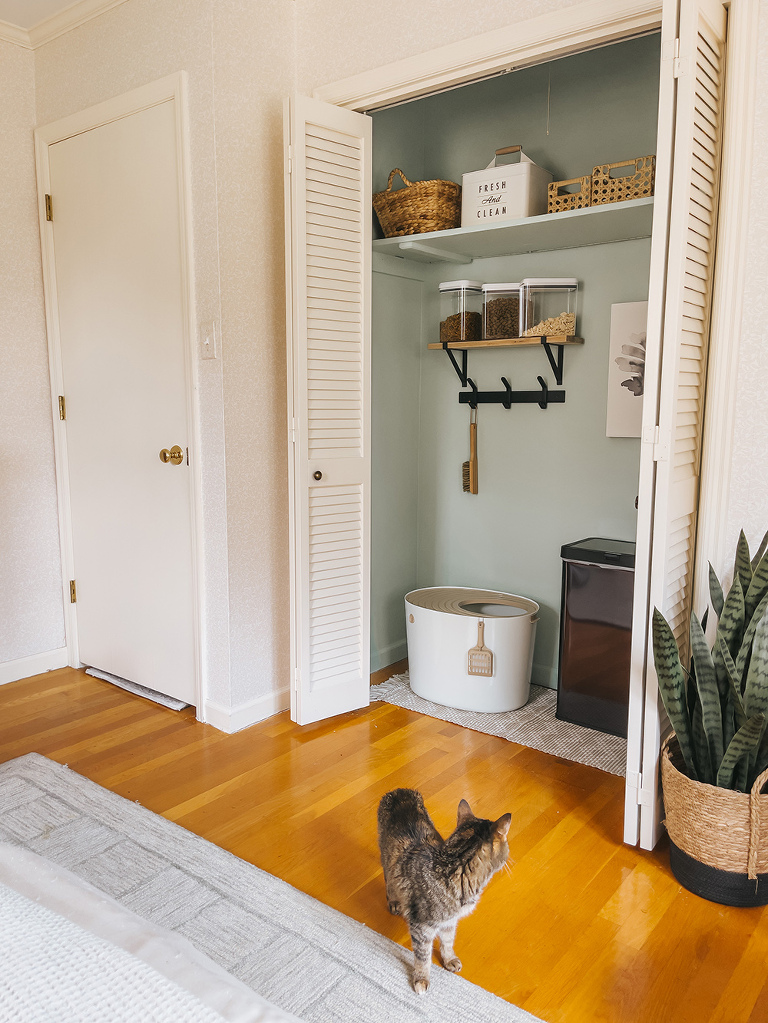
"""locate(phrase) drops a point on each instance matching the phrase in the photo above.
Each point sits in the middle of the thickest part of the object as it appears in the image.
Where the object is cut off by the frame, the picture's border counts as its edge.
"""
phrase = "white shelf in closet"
(595, 225)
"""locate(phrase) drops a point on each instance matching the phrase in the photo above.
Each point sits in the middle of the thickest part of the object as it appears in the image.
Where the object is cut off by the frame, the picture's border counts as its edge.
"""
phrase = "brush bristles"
(465, 484)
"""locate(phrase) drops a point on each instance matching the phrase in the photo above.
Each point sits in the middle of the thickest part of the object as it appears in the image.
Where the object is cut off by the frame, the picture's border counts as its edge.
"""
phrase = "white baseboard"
(237, 718)
(36, 664)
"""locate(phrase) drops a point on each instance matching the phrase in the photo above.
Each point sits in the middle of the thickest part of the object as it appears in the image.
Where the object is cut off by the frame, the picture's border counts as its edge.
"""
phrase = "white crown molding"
(57, 25)
(13, 34)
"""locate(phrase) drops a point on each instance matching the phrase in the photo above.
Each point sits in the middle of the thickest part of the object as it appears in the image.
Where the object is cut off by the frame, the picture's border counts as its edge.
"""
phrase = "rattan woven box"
(561, 197)
(606, 187)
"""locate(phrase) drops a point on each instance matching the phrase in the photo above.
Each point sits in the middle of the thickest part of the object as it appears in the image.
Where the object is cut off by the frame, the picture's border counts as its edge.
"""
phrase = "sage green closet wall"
(546, 477)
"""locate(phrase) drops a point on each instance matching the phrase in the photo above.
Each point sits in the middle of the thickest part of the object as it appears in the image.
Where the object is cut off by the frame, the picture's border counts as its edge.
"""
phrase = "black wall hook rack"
(543, 397)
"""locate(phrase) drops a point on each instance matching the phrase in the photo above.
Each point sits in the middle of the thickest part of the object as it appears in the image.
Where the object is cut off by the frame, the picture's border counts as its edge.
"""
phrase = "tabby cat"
(432, 882)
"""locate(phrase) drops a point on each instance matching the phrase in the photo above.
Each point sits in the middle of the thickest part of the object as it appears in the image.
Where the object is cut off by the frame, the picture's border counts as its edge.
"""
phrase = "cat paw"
(453, 965)
(420, 985)
(394, 908)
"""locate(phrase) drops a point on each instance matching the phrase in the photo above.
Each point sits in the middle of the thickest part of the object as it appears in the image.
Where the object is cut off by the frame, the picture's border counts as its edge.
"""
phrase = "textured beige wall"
(253, 72)
(31, 615)
(338, 38)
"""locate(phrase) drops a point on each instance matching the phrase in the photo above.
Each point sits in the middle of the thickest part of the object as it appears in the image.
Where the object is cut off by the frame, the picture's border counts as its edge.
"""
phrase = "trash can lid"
(598, 550)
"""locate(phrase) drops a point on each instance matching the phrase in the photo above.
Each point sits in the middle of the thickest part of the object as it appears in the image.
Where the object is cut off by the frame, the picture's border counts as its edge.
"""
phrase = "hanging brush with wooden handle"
(469, 469)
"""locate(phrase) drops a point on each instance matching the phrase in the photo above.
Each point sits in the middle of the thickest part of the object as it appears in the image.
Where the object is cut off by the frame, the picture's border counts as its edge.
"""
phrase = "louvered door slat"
(330, 395)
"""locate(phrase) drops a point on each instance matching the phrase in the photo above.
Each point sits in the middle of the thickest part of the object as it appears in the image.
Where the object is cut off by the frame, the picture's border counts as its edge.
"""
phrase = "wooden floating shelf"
(510, 342)
(593, 225)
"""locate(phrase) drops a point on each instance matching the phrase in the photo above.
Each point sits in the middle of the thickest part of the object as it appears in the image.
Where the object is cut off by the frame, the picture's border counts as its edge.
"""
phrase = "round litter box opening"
(490, 610)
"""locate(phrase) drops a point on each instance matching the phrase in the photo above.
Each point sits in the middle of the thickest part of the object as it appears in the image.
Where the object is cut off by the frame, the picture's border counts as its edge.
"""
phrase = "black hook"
(544, 399)
(507, 400)
(473, 385)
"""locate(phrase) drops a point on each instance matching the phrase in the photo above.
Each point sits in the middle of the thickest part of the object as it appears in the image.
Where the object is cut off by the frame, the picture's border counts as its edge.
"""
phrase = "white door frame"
(173, 88)
(586, 26)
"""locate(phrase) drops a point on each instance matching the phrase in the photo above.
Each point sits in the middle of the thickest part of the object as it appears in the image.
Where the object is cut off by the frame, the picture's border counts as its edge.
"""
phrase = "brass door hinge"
(48, 207)
(62, 407)
(72, 591)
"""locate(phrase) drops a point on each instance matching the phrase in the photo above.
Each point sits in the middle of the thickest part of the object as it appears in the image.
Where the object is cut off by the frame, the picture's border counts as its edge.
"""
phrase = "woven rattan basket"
(559, 200)
(422, 206)
(721, 829)
(606, 188)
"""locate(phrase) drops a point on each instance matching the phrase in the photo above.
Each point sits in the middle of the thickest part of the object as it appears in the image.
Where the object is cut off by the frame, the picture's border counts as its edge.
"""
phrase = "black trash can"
(595, 633)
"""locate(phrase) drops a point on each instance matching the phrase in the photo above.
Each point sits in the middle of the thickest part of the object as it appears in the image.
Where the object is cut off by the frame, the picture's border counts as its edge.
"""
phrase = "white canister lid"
(550, 282)
(460, 286)
(501, 287)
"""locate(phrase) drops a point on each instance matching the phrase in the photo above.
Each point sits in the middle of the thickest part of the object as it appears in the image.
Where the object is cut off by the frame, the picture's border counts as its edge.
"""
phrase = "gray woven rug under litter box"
(303, 956)
(534, 725)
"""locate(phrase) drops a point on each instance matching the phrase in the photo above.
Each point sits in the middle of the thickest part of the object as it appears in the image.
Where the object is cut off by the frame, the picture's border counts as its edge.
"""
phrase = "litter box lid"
(461, 600)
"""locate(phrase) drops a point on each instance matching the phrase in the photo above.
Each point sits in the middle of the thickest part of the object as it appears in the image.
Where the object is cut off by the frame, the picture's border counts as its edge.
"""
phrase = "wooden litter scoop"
(469, 469)
(480, 658)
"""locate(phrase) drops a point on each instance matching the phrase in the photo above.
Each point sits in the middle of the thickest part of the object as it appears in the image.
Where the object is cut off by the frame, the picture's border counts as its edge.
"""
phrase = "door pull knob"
(317, 475)
(175, 455)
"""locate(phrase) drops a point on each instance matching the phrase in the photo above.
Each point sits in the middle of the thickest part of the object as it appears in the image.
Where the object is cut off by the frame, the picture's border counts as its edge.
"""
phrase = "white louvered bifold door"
(674, 447)
(329, 312)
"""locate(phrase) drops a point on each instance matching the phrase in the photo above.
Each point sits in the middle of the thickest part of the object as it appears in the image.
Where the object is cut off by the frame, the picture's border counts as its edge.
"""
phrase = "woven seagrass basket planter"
(718, 837)
(421, 206)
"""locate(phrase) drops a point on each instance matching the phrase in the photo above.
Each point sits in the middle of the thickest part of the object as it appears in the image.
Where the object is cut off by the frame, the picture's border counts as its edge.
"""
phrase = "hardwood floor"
(583, 929)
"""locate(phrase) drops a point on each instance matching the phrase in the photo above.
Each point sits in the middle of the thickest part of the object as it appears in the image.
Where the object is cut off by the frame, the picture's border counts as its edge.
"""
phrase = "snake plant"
(719, 706)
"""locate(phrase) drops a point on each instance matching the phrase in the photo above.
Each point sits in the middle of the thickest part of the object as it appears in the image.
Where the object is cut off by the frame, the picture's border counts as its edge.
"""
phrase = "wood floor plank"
(580, 928)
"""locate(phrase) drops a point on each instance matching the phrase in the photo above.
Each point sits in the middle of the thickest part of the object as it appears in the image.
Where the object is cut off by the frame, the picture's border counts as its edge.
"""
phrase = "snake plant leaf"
(761, 762)
(731, 624)
(758, 588)
(715, 592)
(701, 746)
(760, 552)
(729, 721)
(745, 651)
(756, 687)
(709, 694)
(733, 679)
(672, 687)
(743, 565)
(744, 742)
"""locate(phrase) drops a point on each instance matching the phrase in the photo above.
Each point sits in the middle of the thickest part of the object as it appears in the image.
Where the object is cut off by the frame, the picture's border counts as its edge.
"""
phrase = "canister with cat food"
(461, 305)
(549, 306)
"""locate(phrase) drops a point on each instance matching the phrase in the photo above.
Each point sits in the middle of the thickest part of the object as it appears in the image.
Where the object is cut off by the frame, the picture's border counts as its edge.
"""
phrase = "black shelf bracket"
(461, 371)
(543, 397)
(555, 363)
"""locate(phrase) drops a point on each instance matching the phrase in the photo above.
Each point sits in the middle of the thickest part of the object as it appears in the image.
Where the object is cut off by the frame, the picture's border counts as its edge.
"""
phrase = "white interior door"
(120, 294)
(678, 334)
(328, 219)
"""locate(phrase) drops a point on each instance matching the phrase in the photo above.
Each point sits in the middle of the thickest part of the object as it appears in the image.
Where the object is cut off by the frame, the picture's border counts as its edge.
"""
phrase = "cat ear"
(464, 813)
(502, 825)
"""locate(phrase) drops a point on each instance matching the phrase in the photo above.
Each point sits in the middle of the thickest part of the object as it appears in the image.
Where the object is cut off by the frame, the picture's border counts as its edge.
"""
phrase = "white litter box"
(446, 625)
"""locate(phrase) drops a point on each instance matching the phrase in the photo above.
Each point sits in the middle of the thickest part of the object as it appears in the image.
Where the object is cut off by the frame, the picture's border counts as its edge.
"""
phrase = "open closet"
(377, 430)
(550, 476)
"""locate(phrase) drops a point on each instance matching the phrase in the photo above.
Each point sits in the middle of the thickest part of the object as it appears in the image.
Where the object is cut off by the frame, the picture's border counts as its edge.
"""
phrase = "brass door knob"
(175, 455)
(317, 475)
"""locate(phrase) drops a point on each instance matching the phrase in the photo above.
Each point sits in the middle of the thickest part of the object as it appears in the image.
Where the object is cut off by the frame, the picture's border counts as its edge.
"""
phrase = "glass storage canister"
(501, 311)
(549, 305)
(461, 318)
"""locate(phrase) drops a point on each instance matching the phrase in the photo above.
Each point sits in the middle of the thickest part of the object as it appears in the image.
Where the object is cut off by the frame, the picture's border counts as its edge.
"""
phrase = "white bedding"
(72, 954)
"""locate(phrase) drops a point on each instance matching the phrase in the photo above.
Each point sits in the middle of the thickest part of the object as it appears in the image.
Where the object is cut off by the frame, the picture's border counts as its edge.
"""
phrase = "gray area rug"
(301, 955)
(534, 725)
